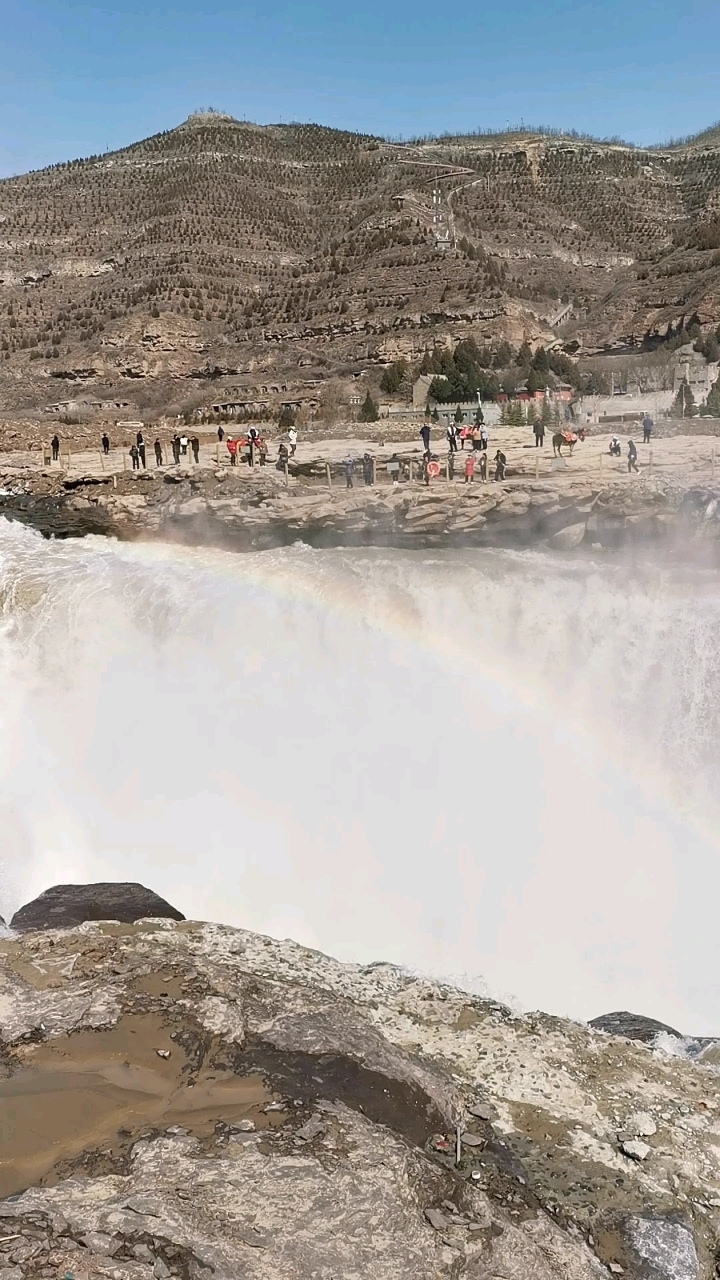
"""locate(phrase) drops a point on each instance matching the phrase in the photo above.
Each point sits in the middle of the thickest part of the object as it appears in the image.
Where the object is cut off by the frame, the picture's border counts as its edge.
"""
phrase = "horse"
(563, 437)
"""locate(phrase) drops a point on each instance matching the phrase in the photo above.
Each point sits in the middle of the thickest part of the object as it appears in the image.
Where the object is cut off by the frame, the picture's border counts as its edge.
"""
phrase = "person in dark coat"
(158, 454)
(367, 466)
(55, 446)
(176, 448)
(141, 451)
(500, 465)
(195, 445)
(425, 433)
(105, 444)
(539, 430)
(632, 456)
(349, 466)
(221, 434)
(135, 455)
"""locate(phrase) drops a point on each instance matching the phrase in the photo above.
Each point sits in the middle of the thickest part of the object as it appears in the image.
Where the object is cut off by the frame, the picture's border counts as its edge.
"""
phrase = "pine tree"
(369, 410)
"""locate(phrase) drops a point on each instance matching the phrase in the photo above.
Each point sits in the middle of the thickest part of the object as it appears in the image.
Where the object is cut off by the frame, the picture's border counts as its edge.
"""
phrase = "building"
(690, 367)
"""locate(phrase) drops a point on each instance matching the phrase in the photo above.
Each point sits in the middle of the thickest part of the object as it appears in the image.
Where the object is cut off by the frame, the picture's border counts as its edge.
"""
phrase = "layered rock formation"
(206, 508)
(198, 1101)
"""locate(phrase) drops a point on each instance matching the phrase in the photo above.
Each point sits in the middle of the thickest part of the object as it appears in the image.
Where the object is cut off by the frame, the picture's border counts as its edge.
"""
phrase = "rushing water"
(495, 766)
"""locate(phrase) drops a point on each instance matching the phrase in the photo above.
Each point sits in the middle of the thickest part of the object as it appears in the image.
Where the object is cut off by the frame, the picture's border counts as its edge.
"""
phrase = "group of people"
(477, 435)
(615, 446)
(182, 447)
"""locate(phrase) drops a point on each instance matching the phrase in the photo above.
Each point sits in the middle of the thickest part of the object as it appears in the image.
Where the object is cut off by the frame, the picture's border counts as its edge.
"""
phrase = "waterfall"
(496, 767)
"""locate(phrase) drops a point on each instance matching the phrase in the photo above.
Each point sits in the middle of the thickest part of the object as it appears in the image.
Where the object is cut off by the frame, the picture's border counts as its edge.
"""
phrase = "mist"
(494, 767)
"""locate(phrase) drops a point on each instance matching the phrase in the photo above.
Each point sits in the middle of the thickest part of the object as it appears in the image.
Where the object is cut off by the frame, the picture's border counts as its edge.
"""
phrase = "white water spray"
(493, 766)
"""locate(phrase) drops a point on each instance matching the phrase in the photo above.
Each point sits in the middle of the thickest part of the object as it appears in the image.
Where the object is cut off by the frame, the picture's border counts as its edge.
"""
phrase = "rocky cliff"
(206, 508)
(184, 1099)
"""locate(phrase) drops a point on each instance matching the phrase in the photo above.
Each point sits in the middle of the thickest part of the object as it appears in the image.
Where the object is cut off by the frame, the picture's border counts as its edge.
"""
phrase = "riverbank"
(587, 498)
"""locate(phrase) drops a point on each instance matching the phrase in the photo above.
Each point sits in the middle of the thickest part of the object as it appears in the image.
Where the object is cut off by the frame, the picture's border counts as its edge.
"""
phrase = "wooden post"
(412, 471)
(124, 460)
(651, 461)
(447, 472)
(114, 481)
(537, 465)
(102, 460)
(327, 473)
(713, 462)
(286, 472)
(217, 453)
(458, 1143)
(373, 472)
(601, 462)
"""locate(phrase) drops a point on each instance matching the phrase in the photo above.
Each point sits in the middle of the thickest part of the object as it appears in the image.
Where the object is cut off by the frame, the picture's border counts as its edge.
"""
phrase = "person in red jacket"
(232, 450)
(469, 468)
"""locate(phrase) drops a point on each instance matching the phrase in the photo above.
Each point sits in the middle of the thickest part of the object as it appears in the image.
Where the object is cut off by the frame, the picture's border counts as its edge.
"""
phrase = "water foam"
(484, 765)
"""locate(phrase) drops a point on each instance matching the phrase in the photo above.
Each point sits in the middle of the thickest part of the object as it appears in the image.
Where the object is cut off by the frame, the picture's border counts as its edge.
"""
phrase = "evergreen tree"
(286, 418)
(458, 415)
(368, 410)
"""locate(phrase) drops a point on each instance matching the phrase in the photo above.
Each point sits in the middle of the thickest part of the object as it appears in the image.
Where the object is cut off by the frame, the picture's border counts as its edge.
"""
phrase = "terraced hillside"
(267, 261)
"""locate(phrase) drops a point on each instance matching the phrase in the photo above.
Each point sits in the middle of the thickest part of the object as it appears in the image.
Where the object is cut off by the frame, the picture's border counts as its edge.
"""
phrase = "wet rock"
(313, 1128)
(569, 538)
(664, 1249)
(482, 1110)
(634, 1026)
(66, 905)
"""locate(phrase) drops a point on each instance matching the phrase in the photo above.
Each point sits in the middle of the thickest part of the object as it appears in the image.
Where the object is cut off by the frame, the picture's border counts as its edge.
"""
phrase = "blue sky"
(77, 78)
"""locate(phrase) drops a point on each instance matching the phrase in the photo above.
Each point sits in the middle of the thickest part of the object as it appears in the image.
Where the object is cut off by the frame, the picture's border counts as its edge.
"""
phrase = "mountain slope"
(228, 249)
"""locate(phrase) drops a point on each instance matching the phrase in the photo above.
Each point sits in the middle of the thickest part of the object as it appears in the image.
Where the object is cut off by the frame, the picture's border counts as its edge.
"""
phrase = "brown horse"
(563, 437)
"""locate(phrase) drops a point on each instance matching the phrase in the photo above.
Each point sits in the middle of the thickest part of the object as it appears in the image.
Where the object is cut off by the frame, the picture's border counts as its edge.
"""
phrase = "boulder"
(66, 905)
(632, 1025)
(569, 538)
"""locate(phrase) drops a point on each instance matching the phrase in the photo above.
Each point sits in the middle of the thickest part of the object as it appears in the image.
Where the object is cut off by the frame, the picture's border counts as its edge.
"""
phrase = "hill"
(223, 261)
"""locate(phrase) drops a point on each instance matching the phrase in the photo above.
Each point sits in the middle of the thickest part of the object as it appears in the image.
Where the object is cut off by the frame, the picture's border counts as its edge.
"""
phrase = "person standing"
(105, 443)
(176, 449)
(500, 465)
(232, 446)
(367, 465)
(424, 432)
(135, 455)
(349, 465)
(55, 446)
(452, 434)
(195, 445)
(632, 457)
(158, 454)
(539, 429)
(293, 438)
(647, 425)
(141, 451)
(483, 467)
(469, 468)
(221, 434)
(483, 436)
